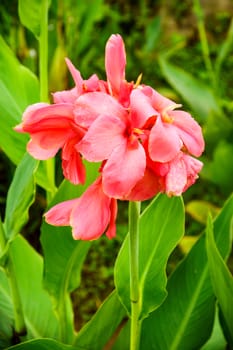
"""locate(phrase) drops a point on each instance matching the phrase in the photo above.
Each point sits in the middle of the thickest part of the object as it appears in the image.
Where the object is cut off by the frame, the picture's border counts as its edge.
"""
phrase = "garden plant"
(99, 155)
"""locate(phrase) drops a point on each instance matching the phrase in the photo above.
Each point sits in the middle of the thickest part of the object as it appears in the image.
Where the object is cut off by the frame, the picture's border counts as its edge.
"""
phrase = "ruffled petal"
(91, 216)
(124, 168)
(91, 105)
(115, 62)
(103, 136)
(176, 178)
(59, 215)
(164, 143)
(189, 131)
(49, 125)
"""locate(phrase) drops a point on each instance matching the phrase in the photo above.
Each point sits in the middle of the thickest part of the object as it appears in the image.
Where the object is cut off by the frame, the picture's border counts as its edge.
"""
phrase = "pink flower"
(81, 86)
(170, 130)
(89, 216)
(51, 128)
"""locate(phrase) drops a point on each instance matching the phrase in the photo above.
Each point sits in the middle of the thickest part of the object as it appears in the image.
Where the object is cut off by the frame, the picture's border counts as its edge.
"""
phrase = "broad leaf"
(20, 196)
(19, 88)
(6, 312)
(109, 318)
(161, 227)
(221, 278)
(200, 98)
(31, 12)
(37, 307)
(185, 319)
(217, 340)
(43, 344)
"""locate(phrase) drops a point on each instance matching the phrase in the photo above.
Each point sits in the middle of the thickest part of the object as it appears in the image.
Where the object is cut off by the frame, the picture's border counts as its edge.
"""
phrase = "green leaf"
(199, 210)
(109, 318)
(185, 319)
(220, 169)
(157, 240)
(6, 312)
(37, 307)
(217, 340)
(43, 344)
(222, 280)
(20, 196)
(19, 88)
(30, 13)
(200, 98)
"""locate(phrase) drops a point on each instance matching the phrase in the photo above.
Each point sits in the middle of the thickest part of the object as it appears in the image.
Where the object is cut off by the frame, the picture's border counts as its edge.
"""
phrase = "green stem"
(43, 76)
(2, 238)
(204, 41)
(43, 52)
(134, 212)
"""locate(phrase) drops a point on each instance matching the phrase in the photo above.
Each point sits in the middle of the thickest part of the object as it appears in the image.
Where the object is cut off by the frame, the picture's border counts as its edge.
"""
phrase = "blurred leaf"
(6, 312)
(187, 243)
(30, 13)
(19, 88)
(20, 196)
(185, 319)
(199, 97)
(220, 169)
(28, 265)
(58, 69)
(153, 32)
(43, 344)
(224, 49)
(221, 278)
(157, 240)
(87, 14)
(97, 332)
(199, 210)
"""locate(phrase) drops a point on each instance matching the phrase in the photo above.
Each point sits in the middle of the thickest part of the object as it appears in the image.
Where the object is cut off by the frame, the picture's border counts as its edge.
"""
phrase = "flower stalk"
(43, 77)
(135, 328)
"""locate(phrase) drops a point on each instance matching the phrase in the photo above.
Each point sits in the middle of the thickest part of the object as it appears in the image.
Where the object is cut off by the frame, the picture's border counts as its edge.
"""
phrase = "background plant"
(193, 65)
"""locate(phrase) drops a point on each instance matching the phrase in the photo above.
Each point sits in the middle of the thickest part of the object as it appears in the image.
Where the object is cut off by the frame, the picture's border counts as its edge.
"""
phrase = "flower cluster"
(144, 142)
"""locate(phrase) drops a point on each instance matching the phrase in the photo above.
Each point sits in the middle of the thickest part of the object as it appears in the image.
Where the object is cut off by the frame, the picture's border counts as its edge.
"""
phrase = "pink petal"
(147, 187)
(193, 167)
(164, 143)
(141, 108)
(160, 102)
(90, 105)
(189, 131)
(176, 178)
(73, 168)
(111, 231)
(124, 168)
(115, 62)
(75, 75)
(103, 136)
(40, 153)
(49, 125)
(66, 96)
(59, 215)
(91, 216)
